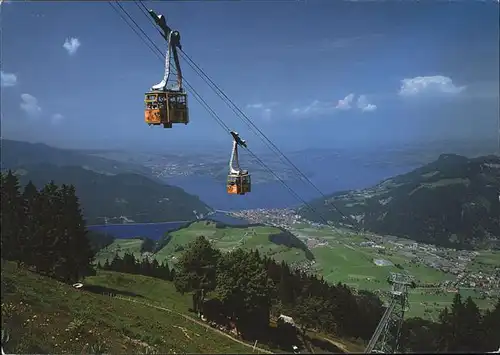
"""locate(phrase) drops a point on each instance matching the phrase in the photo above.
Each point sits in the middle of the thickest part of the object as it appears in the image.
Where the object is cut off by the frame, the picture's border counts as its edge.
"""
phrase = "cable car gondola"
(238, 181)
(166, 106)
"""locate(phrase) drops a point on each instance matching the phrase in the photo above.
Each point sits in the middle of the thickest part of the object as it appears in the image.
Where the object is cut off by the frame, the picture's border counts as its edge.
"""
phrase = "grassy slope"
(120, 246)
(255, 237)
(44, 316)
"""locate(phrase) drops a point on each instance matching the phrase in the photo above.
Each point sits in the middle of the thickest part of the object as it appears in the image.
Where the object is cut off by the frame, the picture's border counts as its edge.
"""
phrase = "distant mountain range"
(119, 192)
(453, 201)
(16, 153)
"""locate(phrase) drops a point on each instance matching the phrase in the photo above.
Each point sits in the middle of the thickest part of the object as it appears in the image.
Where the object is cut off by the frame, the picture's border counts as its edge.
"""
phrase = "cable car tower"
(165, 106)
(385, 339)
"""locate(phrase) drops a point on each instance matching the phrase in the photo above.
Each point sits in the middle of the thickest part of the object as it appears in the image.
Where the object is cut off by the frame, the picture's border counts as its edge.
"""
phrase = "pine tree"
(445, 331)
(165, 274)
(155, 266)
(47, 254)
(12, 218)
(80, 248)
(32, 212)
(490, 329)
(128, 263)
(116, 263)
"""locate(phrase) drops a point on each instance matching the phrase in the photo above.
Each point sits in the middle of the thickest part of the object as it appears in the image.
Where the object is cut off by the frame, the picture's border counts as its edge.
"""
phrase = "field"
(342, 259)
(120, 246)
(426, 304)
(226, 239)
(338, 257)
(486, 261)
(115, 313)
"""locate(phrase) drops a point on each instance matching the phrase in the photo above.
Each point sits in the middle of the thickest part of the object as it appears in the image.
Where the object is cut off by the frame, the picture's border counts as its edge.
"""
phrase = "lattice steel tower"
(385, 339)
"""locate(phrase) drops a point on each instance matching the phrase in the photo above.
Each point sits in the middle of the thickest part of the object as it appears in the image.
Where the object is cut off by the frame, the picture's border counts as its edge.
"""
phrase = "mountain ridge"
(453, 202)
(19, 153)
(125, 197)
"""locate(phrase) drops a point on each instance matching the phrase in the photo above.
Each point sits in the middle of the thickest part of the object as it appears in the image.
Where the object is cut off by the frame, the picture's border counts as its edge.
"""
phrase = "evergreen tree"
(47, 254)
(12, 218)
(80, 254)
(32, 226)
(116, 264)
(491, 329)
(155, 268)
(245, 291)
(419, 335)
(128, 262)
(470, 326)
(197, 270)
(165, 274)
(445, 331)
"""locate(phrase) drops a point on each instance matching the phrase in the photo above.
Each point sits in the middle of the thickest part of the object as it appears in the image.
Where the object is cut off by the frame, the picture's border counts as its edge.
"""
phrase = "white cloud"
(364, 105)
(428, 85)
(315, 107)
(71, 45)
(8, 79)
(255, 106)
(56, 118)
(265, 109)
(29, 104)
(345, 103)
(321, 107)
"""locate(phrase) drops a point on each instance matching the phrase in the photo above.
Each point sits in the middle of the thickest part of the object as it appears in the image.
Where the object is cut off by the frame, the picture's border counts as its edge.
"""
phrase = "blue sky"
(308, 73)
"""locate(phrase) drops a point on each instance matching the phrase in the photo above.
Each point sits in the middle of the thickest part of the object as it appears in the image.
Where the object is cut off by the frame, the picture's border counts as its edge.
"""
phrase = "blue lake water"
(274, 195)
(155, 230)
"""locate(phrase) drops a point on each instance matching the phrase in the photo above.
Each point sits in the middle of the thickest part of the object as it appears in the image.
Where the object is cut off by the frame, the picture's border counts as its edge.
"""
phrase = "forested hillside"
(120, 198)
(453, 201)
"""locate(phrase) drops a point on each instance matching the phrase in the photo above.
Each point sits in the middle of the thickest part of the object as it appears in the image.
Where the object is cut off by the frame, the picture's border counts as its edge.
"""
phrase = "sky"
(309, 74)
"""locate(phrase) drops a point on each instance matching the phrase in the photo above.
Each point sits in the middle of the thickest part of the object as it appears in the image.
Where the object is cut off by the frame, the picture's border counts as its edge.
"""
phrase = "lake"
(155, 231)
(331, 178)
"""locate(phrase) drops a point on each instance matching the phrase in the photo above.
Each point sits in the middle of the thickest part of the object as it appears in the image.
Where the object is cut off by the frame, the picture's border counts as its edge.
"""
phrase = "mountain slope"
(453, 201)
(16, 153)
(43, 316)
(132, 197)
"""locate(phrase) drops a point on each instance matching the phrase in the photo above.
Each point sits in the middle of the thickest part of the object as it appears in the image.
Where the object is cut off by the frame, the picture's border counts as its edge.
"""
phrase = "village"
(459, 264)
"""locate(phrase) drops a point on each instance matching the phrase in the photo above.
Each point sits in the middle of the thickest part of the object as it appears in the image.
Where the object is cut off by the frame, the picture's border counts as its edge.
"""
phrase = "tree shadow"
(101, 290)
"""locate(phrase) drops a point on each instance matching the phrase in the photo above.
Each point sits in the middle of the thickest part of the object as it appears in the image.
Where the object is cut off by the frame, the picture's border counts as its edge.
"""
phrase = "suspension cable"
(242, 116)
(209, 109)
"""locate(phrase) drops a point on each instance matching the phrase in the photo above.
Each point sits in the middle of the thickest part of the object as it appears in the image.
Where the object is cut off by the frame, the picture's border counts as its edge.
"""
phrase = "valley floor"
(360, 261)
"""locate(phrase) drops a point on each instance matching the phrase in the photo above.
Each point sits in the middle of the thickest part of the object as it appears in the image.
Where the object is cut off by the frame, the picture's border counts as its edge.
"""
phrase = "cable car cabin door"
(177, 110)
(153, 113)
(238, 184)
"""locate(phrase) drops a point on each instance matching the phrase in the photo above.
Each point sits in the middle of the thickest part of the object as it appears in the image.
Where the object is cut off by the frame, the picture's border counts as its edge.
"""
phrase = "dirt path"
(198, 322)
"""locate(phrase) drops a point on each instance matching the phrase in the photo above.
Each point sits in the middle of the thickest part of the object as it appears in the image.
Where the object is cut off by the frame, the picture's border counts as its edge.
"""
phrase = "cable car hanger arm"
(234, 163)
(173, 39)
